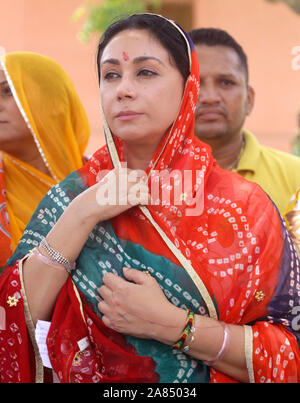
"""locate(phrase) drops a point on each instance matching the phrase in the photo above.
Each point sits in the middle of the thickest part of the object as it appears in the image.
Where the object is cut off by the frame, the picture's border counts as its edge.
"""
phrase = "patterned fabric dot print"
(234, 259)
(11, 338)
(281, 367)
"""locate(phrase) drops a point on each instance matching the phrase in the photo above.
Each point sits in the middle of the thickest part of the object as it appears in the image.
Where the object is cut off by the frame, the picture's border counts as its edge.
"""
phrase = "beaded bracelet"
(223, 348)
(189, 340)
(46, 260)
(57, 257)
(188, 328)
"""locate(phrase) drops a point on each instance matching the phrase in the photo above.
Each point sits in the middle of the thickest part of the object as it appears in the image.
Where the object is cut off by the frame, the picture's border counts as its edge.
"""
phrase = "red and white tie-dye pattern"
(17, 358)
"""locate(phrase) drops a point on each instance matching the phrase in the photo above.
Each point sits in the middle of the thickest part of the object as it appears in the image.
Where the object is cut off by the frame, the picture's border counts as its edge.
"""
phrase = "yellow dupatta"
(56, 118)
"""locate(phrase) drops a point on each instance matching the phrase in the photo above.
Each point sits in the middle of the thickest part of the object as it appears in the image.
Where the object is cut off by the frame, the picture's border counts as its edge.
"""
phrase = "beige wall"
(268, 32)
(45, 27)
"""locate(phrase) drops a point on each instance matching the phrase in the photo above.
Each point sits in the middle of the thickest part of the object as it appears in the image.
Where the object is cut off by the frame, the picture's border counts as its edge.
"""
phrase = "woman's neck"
(138, 156)
(39, 164)
(31, 156)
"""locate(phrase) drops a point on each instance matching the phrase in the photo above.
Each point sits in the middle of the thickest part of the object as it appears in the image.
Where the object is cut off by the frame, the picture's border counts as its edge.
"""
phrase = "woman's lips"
(128, 115)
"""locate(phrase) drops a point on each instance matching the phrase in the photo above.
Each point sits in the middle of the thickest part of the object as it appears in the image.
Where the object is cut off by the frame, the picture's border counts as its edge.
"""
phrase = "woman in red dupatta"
(223, 252)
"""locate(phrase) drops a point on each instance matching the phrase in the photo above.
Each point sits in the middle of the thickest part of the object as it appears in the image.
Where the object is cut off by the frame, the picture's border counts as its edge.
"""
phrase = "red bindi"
(125, 56)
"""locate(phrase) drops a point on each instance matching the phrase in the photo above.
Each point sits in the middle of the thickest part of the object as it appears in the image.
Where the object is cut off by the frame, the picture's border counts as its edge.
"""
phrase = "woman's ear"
(250, 100)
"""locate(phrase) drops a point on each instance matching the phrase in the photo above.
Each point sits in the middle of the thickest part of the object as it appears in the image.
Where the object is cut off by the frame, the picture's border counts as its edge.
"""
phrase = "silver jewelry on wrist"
(57, 257)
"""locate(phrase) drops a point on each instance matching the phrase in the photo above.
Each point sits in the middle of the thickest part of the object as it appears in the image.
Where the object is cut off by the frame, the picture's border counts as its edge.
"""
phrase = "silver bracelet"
(57, 257)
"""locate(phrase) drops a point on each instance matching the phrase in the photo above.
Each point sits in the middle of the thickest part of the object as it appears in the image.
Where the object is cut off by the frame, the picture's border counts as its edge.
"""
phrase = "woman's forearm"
(68, 236)
(208, 340)
(42, 282)
(136, 305)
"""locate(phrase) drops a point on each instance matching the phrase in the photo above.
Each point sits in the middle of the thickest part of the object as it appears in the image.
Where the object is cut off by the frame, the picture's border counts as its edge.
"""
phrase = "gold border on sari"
(249, 352)
(39, 375)
(39, 368)
(186, 265)
(79, 301)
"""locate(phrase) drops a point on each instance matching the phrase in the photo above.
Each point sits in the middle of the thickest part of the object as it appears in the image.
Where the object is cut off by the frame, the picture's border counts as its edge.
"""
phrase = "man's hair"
(218, 37)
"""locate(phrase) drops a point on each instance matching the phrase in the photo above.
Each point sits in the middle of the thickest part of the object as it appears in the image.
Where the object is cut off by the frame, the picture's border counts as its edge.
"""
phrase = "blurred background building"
(269, 32)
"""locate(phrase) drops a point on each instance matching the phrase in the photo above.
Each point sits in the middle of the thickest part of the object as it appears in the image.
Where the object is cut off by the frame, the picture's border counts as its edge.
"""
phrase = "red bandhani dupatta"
(233, 261)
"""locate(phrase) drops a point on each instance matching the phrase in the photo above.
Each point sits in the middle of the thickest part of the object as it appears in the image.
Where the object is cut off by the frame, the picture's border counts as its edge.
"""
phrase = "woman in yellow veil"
(43, 134)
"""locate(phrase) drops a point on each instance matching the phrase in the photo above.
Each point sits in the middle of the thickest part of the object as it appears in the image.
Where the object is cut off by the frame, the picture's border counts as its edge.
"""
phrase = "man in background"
(225, 100)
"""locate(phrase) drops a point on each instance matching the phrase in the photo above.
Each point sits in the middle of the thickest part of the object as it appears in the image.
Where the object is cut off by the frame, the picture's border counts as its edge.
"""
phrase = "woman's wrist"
(71, 231)
(84, 210)
(170, 331)
(176, 323)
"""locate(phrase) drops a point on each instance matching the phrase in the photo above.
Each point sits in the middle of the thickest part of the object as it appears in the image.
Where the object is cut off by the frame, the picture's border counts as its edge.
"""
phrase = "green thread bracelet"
(189, 325)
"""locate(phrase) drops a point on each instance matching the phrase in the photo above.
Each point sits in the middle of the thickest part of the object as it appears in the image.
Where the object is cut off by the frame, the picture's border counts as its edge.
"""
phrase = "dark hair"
(169, 37)
(218, 37)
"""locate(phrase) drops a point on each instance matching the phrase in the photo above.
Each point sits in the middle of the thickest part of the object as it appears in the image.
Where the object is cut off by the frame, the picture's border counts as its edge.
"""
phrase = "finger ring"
(147, 272)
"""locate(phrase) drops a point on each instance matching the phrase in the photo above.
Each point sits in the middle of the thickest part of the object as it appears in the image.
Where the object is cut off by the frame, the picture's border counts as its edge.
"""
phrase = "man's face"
(225, 99)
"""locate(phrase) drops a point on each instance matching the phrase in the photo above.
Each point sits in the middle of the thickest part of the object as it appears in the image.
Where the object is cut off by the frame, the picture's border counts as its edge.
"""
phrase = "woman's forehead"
(133, 43)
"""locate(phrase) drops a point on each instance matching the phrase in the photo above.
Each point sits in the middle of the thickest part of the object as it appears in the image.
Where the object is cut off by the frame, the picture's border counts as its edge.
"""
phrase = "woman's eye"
(111, 76)
(146, 73)
(6, 91)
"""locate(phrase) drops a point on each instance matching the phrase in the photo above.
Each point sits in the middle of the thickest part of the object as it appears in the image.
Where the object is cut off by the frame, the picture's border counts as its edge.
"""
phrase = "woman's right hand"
(115, 192)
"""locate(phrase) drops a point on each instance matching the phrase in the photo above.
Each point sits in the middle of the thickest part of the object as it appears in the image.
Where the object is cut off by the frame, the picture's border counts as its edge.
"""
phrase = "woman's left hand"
(138, 307)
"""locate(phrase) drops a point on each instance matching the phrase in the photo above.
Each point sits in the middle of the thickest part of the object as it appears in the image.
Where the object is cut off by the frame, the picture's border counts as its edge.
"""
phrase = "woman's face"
(13, 128)
(141, 88)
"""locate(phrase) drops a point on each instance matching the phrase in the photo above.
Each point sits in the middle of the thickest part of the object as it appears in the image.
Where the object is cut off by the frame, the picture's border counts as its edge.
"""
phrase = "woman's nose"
(126, 89)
